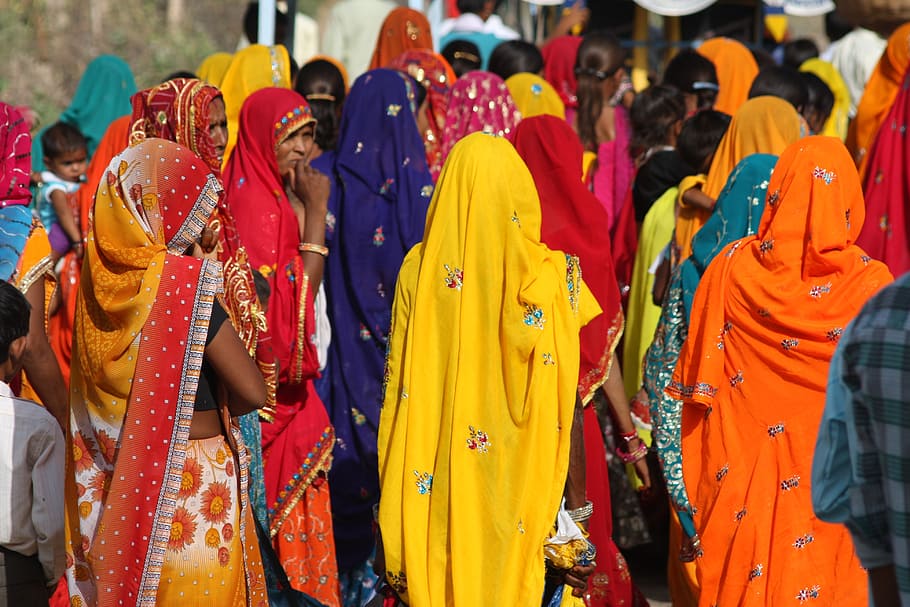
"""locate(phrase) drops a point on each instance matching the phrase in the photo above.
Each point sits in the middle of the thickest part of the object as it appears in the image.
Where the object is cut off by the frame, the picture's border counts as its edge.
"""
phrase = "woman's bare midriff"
(205, 424)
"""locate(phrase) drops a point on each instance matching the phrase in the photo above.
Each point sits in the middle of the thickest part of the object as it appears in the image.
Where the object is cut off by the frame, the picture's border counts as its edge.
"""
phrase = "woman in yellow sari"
(253, 68)
(156, 491)
(836, 125)
(214, 67)
(480, 390)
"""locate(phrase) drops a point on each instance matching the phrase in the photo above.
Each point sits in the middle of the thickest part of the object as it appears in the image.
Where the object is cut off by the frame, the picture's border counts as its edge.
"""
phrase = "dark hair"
(322, 85)
(420, 91)
(513, 57)
(474, 6)
(820, 98)
(762, 58)
(61, 138)
(693, 73)
(653, 113)
(796, 52)
(251, 24)
(700, 136)
(781, 81)
(261, 284)
(179, 74)
(599, 57)
(836, 27)
(14, 317)
(463, 56)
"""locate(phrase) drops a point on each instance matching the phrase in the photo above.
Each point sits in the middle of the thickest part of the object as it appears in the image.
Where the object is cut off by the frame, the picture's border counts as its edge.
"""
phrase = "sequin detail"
(776, 429)
(789, 344)
(766, 245)
(534, 317)
(720, 474)
(515, 218)
(455, 277)
(756, 572)
(378, 237)
(424, 482)
(478, 440)
(548, 359)
(393, 109)
(723, 333)
(573, 268)
(817, 291)
(834, 334)
(803, 541)
(386, 186)
(740, 515)
(426, 191)
(736, 379)
(789, 483)
(773, 198)
(364, 333)
(808, 593)
(827, 176)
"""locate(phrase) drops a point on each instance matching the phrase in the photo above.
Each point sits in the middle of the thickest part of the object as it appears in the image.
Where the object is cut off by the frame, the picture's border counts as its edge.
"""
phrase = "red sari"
(297, 444)
(553, 154)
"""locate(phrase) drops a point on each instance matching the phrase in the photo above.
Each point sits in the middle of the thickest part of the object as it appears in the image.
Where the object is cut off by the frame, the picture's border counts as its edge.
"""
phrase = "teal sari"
(736, 215)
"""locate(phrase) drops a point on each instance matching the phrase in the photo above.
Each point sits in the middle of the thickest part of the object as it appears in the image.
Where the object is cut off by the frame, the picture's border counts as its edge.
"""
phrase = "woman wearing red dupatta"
(553, 154)
(276, 130)
(156, 507)
(887, 189)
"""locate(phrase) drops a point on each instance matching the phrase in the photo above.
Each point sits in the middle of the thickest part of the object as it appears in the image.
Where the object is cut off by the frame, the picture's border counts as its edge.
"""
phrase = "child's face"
(69, 166)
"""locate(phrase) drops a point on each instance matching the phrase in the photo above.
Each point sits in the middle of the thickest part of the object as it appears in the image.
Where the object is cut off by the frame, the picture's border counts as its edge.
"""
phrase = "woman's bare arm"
(236, 371)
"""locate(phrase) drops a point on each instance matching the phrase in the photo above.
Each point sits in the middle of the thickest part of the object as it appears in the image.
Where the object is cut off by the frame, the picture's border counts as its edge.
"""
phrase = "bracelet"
(580, 515)
(630, 457)
(309, 247)
(628, 437)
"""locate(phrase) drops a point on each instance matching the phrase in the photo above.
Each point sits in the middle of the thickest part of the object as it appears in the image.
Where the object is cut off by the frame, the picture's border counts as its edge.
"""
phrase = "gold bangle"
(309, 247)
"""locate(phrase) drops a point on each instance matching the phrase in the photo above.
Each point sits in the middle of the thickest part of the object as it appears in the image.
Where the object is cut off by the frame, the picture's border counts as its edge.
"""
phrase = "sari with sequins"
(141, 323)
(765, 320)
(297, 442)
(379, 201)
(404, 29)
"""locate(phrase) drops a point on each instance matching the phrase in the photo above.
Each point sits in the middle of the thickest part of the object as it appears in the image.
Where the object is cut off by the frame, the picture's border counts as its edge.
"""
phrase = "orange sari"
(403, 30)
(881, 91)
(752, 376)
(736, 69)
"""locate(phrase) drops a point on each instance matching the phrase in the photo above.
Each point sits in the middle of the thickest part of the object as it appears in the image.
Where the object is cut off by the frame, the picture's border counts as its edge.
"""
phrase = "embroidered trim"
(198, 216)
(317, 462)
(301, 327)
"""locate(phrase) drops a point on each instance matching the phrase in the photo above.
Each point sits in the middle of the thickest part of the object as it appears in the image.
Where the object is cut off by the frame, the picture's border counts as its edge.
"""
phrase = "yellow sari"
(253, 68)
(836, 125)
(484, 344)
(214, 67)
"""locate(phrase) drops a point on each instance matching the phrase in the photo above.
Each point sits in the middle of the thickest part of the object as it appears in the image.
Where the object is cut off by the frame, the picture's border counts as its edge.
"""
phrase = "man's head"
(14, 319)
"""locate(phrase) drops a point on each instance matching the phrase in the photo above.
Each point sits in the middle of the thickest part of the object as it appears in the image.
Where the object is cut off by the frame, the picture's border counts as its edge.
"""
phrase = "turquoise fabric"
(103, 95)
(485, 43)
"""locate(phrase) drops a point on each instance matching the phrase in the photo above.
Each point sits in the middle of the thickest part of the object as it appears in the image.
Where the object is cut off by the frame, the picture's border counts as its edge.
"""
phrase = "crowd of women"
(381, 341)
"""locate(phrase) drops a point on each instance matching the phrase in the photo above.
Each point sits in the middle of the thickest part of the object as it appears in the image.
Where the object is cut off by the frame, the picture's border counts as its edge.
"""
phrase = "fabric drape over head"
(141, 324)
(338, 64)
(484, 344)
(886, 235)
(436, 75)
(552, 152)
(253, 68)
(15, 216)
(297, 443)
(559, 67)
(752, 374)
(836, 125)
(879, 95)
(103, 94)
(479, 101)
(736, 69)
(534, 96)
(378, 209)
(214, 67)
(404, 29)
(763, 125)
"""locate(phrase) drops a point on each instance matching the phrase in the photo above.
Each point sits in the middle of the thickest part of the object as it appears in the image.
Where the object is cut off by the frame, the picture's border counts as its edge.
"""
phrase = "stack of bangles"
(581, 515)
(627, 456)
(309, 247)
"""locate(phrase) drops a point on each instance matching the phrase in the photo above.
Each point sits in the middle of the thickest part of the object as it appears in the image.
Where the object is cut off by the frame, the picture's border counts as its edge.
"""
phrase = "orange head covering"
(404, 29)
(763, 125)
(879, 96)
(736, 69)
(766, 319)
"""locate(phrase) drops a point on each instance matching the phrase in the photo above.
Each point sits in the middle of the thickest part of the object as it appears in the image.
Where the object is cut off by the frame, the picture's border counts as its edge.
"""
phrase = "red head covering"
(559, 67)
(266, 223)
(553, 153)
(479, 101)
(15, 156)
(436, 75)
(178, 110)
(404, 29)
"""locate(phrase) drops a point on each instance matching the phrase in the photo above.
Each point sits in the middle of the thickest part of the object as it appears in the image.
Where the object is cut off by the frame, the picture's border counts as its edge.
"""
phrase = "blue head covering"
(737, 214)
(377, 212)
(103, 95)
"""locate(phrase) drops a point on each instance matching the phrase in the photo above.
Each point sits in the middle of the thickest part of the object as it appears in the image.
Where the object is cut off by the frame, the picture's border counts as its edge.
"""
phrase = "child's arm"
(65, 217)
(694, 197)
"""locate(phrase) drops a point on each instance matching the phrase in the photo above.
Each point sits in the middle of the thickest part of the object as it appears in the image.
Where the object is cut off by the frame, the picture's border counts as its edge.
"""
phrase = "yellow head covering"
(484, 344)
(534, 96)
(763, 125)
(253, 68)
(836, 125)
(213, 68)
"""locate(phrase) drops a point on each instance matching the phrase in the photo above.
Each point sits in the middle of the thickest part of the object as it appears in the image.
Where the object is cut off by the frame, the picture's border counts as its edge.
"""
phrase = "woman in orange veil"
(403, 30)
(752, 374)
(881, 92)
(736, 69)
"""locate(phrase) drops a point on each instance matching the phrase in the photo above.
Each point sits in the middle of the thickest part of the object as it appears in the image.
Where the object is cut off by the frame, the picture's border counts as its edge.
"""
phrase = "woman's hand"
(643, 472)
(311, 186)
(207, 245)
(576, 577)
